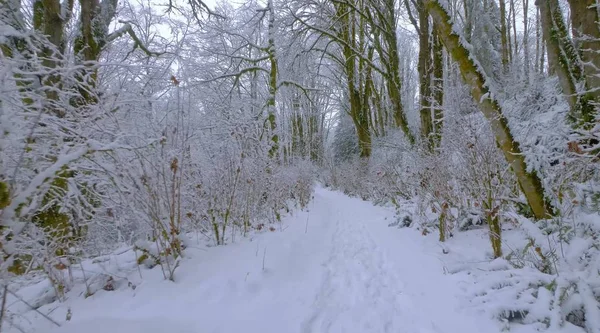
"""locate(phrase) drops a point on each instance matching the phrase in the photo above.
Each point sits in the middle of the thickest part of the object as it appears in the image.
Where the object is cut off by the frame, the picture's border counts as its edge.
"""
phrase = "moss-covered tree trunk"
(359, 109)
(468, 14)
(95, 18)
(315, 148)
(14, 46)
(526, 40)
(514, 49)
(552, 32)
(492, 216)
(504, 35)
(87, 50)
(443, 222)
(586, 35)
(437, 90)
(271, 105)
(529, 181)
(563, 60)
(50, 19)
(495, 232)
(299, 139)
(425, 72)
(431, 80)
(392, 64)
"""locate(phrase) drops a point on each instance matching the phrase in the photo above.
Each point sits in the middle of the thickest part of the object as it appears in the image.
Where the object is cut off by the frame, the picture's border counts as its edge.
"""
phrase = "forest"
(146, 124)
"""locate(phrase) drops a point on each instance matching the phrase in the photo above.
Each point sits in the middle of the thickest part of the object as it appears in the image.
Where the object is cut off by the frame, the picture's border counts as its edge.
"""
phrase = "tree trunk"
(468, 10)
(48, 19)
(13, 46)
(586, 35)
(438, 90)
(359, 109)
(394, 83)
(273, 150)
(557, 60)
(537, 67)
(526, 40)
(495, 230)
(529, 182)
(504, 36)
(382, 22)
(564, 61)
(515, 47)
(95, 18)
(425, 73)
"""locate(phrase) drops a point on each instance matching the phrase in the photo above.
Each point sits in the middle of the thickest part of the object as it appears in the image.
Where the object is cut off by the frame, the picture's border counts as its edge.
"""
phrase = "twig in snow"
(31, 306)
(87, 286)
(306, 227)
(137, 263)
(2, 310)
(264, 256)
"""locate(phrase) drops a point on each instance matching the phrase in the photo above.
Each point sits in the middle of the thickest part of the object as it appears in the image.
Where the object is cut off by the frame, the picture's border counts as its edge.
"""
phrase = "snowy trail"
(383, 280)
(359, 293)
(348, 273)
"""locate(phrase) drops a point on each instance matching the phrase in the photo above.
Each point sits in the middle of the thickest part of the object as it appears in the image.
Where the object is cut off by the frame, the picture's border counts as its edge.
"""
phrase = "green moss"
(142, 258)
(38, 14)
(17, 267)
(551, 286)
(4, 195)
(52, 218)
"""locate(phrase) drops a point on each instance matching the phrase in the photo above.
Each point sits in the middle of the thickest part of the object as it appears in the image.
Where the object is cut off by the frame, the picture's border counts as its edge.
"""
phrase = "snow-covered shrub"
(385, 178)
(46, 142)
(302, 175)
(550, 280)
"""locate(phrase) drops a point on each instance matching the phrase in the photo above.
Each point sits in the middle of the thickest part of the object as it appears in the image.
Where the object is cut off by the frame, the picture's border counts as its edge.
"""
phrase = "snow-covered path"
(347, 272)
(379, 279)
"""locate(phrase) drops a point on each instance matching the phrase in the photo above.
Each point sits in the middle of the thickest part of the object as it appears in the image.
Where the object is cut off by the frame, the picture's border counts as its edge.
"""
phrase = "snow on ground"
(347, 272)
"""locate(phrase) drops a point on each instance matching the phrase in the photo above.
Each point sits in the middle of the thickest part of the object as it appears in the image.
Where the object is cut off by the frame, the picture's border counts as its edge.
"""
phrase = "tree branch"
(127, 29)
(235, 75)
(411, 18)
(340, 41)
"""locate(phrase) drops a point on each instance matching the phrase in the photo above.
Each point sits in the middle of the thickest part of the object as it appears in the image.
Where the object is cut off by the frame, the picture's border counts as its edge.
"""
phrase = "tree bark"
(425, 73)
(564, 61)
(468, 10)
(394, 83)
(504, 36)
(526, 40)
(438, 89)
(382, 16)
(515, 47)
(358, 106)
(274, 144)
(539, 68)
(586, 35)
(48, 19)
(529, 182)
(557, 60)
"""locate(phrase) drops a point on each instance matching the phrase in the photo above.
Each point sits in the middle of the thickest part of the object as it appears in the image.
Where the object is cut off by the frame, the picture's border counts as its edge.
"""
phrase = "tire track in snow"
(359, 291)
